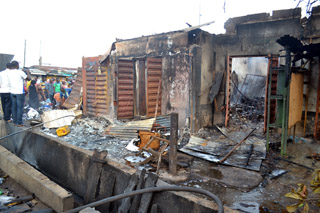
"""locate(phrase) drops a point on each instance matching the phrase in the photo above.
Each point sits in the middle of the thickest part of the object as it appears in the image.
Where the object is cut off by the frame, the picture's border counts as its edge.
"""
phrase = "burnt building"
(175, 71)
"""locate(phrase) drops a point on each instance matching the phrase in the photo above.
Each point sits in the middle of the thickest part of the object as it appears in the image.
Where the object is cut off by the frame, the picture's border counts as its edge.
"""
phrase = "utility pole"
(40, 57)
(199, 13)
(25, 49)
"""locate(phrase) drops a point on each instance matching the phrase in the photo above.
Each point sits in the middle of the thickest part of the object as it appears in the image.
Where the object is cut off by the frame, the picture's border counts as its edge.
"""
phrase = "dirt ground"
(263, 191)
(11, 188)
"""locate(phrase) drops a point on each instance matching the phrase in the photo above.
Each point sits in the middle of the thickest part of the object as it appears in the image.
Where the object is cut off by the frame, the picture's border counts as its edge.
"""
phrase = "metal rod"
(19, 200)
(234, 148)
(23, 130)
(152, 189)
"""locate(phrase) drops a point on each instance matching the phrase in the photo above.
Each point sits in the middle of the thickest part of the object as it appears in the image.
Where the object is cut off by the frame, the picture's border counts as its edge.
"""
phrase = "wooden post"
(173, 144)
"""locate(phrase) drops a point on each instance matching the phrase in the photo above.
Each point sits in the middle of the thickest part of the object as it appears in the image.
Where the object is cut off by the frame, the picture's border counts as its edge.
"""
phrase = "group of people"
(16, 85)
(53, 89)
(12, 92)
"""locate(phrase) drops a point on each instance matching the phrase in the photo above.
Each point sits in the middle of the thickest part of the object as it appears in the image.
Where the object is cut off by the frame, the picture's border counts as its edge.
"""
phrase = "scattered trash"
(5, 199)
(62, 131)
(134, 159)
(277, 173)
(1, 180)
(147, 138)
(66, 118)
(33, 114)
(216, 150)
(314, 156)
(301, 139)
(132, 145)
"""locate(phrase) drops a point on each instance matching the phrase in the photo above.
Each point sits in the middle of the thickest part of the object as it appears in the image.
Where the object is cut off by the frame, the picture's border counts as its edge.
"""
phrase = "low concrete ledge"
(35, 182)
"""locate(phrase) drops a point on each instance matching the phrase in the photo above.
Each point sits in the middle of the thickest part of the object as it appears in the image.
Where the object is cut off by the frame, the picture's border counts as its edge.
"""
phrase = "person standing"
(33, 95)
(57, 86)
(16, 80)
(50, 89)
(5, 94)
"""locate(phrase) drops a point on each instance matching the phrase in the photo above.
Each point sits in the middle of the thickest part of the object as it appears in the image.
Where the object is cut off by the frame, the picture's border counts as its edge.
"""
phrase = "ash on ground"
(87, 133)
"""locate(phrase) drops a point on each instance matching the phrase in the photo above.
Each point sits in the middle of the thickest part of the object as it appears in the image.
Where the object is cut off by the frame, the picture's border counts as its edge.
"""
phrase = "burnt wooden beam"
(136, 199)
(249, 155)
(126, 202)
(173, 144)
(94, 173)
(106, 188)
(146, 197)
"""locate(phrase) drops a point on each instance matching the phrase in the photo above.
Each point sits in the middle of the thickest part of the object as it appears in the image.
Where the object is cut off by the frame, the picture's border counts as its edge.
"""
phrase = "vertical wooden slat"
(228, 90)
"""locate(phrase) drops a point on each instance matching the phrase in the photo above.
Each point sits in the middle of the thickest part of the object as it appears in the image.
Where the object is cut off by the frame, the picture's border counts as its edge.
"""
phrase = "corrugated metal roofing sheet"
(154, 72)
(75, 95)
(125, 89)
(95, 87)
(130, 129)
(164, 121)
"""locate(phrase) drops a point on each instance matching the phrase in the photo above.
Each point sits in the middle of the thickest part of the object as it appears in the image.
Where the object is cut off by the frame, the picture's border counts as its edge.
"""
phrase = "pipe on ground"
(152, 189)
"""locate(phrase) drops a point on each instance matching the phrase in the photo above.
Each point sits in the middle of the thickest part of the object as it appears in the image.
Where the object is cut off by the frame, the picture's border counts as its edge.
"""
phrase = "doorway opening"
(246, 88)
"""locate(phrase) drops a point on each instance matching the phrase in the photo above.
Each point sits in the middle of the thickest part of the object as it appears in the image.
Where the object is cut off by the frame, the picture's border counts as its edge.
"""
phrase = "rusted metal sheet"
(130, 129)
(74, 98)
(214, 151)
(94, 83)
(125, 88)
(272, 62)
(153, 76)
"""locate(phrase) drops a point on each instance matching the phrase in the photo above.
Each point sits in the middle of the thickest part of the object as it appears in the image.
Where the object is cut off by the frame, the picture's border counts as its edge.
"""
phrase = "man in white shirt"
(16, 80)
(5, 93)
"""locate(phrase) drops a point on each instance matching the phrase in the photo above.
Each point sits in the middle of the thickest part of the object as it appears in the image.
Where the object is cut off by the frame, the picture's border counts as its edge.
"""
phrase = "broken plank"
(94, 172)
(155, 209)
(106, 188)
(126, 202)
(146, 197)
(136, 199)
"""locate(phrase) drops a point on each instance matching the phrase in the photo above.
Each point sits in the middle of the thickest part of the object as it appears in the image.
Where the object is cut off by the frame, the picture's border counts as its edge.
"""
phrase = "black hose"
(152, 189)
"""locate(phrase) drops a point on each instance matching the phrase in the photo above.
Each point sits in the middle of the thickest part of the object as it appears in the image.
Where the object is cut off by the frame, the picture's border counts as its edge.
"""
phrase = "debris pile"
(249, 109)
(13, 198)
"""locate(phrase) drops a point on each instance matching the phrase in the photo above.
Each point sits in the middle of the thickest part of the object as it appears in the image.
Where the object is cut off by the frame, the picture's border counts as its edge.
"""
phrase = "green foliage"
(301, 194)
(315, 183)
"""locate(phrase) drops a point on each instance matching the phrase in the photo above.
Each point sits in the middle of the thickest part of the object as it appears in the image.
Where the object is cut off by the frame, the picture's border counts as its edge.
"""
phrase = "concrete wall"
(256, 35)
(176, 67)
(176, 86)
